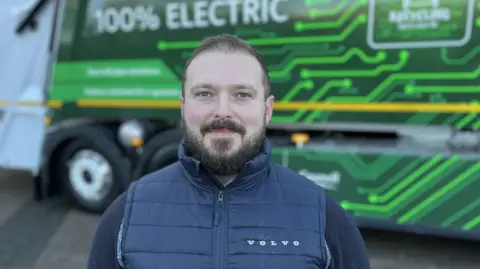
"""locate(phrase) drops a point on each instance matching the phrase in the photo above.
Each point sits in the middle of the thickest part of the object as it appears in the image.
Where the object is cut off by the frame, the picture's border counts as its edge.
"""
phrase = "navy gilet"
(269, 217)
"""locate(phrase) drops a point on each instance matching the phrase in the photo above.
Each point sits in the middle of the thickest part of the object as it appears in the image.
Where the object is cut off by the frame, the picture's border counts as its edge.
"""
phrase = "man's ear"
(182, 102)
(269, 108)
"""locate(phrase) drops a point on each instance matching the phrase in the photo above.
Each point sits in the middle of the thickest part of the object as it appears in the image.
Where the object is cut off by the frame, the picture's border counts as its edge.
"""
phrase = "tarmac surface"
(50, 235)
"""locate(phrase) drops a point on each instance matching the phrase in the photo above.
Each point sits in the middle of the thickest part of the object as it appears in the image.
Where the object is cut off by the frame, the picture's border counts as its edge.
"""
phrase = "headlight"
(131, 134)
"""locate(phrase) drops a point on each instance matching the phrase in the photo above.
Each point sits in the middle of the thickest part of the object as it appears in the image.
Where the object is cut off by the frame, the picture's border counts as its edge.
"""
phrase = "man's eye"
(203, 94)
(243, 95)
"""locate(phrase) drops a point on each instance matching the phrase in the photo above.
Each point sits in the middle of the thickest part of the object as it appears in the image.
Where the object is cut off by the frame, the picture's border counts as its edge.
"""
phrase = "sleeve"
(103, 250)
(344, 241)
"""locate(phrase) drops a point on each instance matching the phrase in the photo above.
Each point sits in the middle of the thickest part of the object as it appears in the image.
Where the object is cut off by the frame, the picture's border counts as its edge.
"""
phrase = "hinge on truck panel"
(29, 20)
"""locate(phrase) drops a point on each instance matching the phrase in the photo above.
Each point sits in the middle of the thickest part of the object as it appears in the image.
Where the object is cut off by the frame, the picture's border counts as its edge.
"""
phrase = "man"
(224, 204)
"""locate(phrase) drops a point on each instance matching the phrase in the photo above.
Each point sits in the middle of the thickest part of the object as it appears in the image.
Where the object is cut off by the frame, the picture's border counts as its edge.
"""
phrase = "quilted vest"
(179, 218)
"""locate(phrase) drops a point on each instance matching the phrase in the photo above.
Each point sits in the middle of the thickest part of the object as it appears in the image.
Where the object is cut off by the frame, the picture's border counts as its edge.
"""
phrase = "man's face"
(224, 110)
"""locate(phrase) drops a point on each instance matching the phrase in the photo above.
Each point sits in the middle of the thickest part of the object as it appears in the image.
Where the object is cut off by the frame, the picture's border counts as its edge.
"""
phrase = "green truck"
(376, 100)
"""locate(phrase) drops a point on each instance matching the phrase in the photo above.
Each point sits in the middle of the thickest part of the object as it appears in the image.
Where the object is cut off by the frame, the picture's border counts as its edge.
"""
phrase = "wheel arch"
(55, 143)
(167, 141)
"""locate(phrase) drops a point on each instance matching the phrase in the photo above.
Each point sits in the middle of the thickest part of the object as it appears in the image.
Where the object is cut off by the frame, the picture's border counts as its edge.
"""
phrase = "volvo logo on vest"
(272, 243)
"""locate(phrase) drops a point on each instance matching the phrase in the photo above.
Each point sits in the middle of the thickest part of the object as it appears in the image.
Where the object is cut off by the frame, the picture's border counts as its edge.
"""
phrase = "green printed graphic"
(114, 80)
(420, 23)
(393, 186)
(328, 51)
(362, 52)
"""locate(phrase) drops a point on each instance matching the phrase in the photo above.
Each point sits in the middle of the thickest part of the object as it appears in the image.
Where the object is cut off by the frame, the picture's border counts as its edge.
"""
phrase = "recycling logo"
(396, 24)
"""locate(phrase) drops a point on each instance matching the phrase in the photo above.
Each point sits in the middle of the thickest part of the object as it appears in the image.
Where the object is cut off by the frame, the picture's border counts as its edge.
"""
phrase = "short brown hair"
(229, 43)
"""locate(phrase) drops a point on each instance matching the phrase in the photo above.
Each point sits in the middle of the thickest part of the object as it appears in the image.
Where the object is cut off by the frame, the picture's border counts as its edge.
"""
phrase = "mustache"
(222, 124)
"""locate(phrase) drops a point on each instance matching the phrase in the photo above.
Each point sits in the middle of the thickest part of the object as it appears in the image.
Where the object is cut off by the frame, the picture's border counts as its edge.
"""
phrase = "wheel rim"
(90, 175)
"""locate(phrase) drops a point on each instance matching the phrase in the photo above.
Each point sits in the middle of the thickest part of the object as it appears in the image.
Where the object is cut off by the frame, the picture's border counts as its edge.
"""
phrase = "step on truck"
(377, 101)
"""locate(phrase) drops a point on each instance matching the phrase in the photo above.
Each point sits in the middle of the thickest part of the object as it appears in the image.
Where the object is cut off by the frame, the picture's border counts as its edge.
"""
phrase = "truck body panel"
(350, 63)
(323, 66)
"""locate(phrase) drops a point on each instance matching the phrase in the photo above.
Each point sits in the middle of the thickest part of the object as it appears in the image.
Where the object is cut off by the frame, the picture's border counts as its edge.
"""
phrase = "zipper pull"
(216, 219)
(220, 198)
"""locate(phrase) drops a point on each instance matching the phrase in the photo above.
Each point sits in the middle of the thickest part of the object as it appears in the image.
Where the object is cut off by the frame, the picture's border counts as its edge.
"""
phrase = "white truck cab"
(27, 50)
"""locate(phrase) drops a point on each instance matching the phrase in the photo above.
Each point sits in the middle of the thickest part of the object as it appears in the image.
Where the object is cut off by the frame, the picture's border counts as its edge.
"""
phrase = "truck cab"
(28, 50)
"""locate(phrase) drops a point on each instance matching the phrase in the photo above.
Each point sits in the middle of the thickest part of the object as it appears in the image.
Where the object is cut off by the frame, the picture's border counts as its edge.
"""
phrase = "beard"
(217, 158)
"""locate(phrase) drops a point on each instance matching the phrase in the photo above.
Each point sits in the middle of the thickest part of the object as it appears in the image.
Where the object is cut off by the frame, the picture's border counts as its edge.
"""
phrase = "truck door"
(27, 48)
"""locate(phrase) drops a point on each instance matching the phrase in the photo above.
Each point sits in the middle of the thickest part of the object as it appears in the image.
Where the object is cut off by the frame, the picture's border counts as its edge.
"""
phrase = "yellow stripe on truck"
(50, 103)
(290, 106)
(280, 106)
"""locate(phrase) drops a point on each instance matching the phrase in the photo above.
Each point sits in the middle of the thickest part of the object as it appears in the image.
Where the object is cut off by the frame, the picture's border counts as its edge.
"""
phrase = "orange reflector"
(301, 138)
(137, 142)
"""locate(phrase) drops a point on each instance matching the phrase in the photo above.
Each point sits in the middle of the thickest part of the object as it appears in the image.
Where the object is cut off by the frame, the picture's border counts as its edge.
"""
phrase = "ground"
(50, 235)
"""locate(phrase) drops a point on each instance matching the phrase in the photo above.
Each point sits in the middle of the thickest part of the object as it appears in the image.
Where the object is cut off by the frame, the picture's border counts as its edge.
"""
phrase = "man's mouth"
(222, 128)
(222, 131)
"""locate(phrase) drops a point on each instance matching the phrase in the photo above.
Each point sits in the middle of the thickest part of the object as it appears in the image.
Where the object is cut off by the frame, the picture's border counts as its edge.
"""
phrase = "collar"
(253, 171)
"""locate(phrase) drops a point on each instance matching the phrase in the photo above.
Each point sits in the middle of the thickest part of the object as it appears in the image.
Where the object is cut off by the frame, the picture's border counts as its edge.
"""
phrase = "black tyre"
(93, 170)
(159, 152)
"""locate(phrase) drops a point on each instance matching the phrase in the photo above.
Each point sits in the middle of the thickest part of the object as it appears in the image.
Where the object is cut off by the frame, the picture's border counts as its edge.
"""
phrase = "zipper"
(220, 222)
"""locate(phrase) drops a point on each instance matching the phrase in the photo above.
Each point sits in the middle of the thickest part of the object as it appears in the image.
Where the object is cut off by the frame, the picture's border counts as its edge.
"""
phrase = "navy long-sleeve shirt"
(343, 238)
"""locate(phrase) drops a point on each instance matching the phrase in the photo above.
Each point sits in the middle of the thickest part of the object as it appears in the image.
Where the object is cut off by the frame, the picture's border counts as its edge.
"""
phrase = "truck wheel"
(160, 151)
(92, 173)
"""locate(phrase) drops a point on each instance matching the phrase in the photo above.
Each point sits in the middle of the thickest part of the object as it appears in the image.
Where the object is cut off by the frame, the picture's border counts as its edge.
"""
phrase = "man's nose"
(223, 108)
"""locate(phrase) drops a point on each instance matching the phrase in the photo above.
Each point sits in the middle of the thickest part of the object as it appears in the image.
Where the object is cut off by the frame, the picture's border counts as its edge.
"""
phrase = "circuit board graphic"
(404, 62)
(333, 61)
(435, 191)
